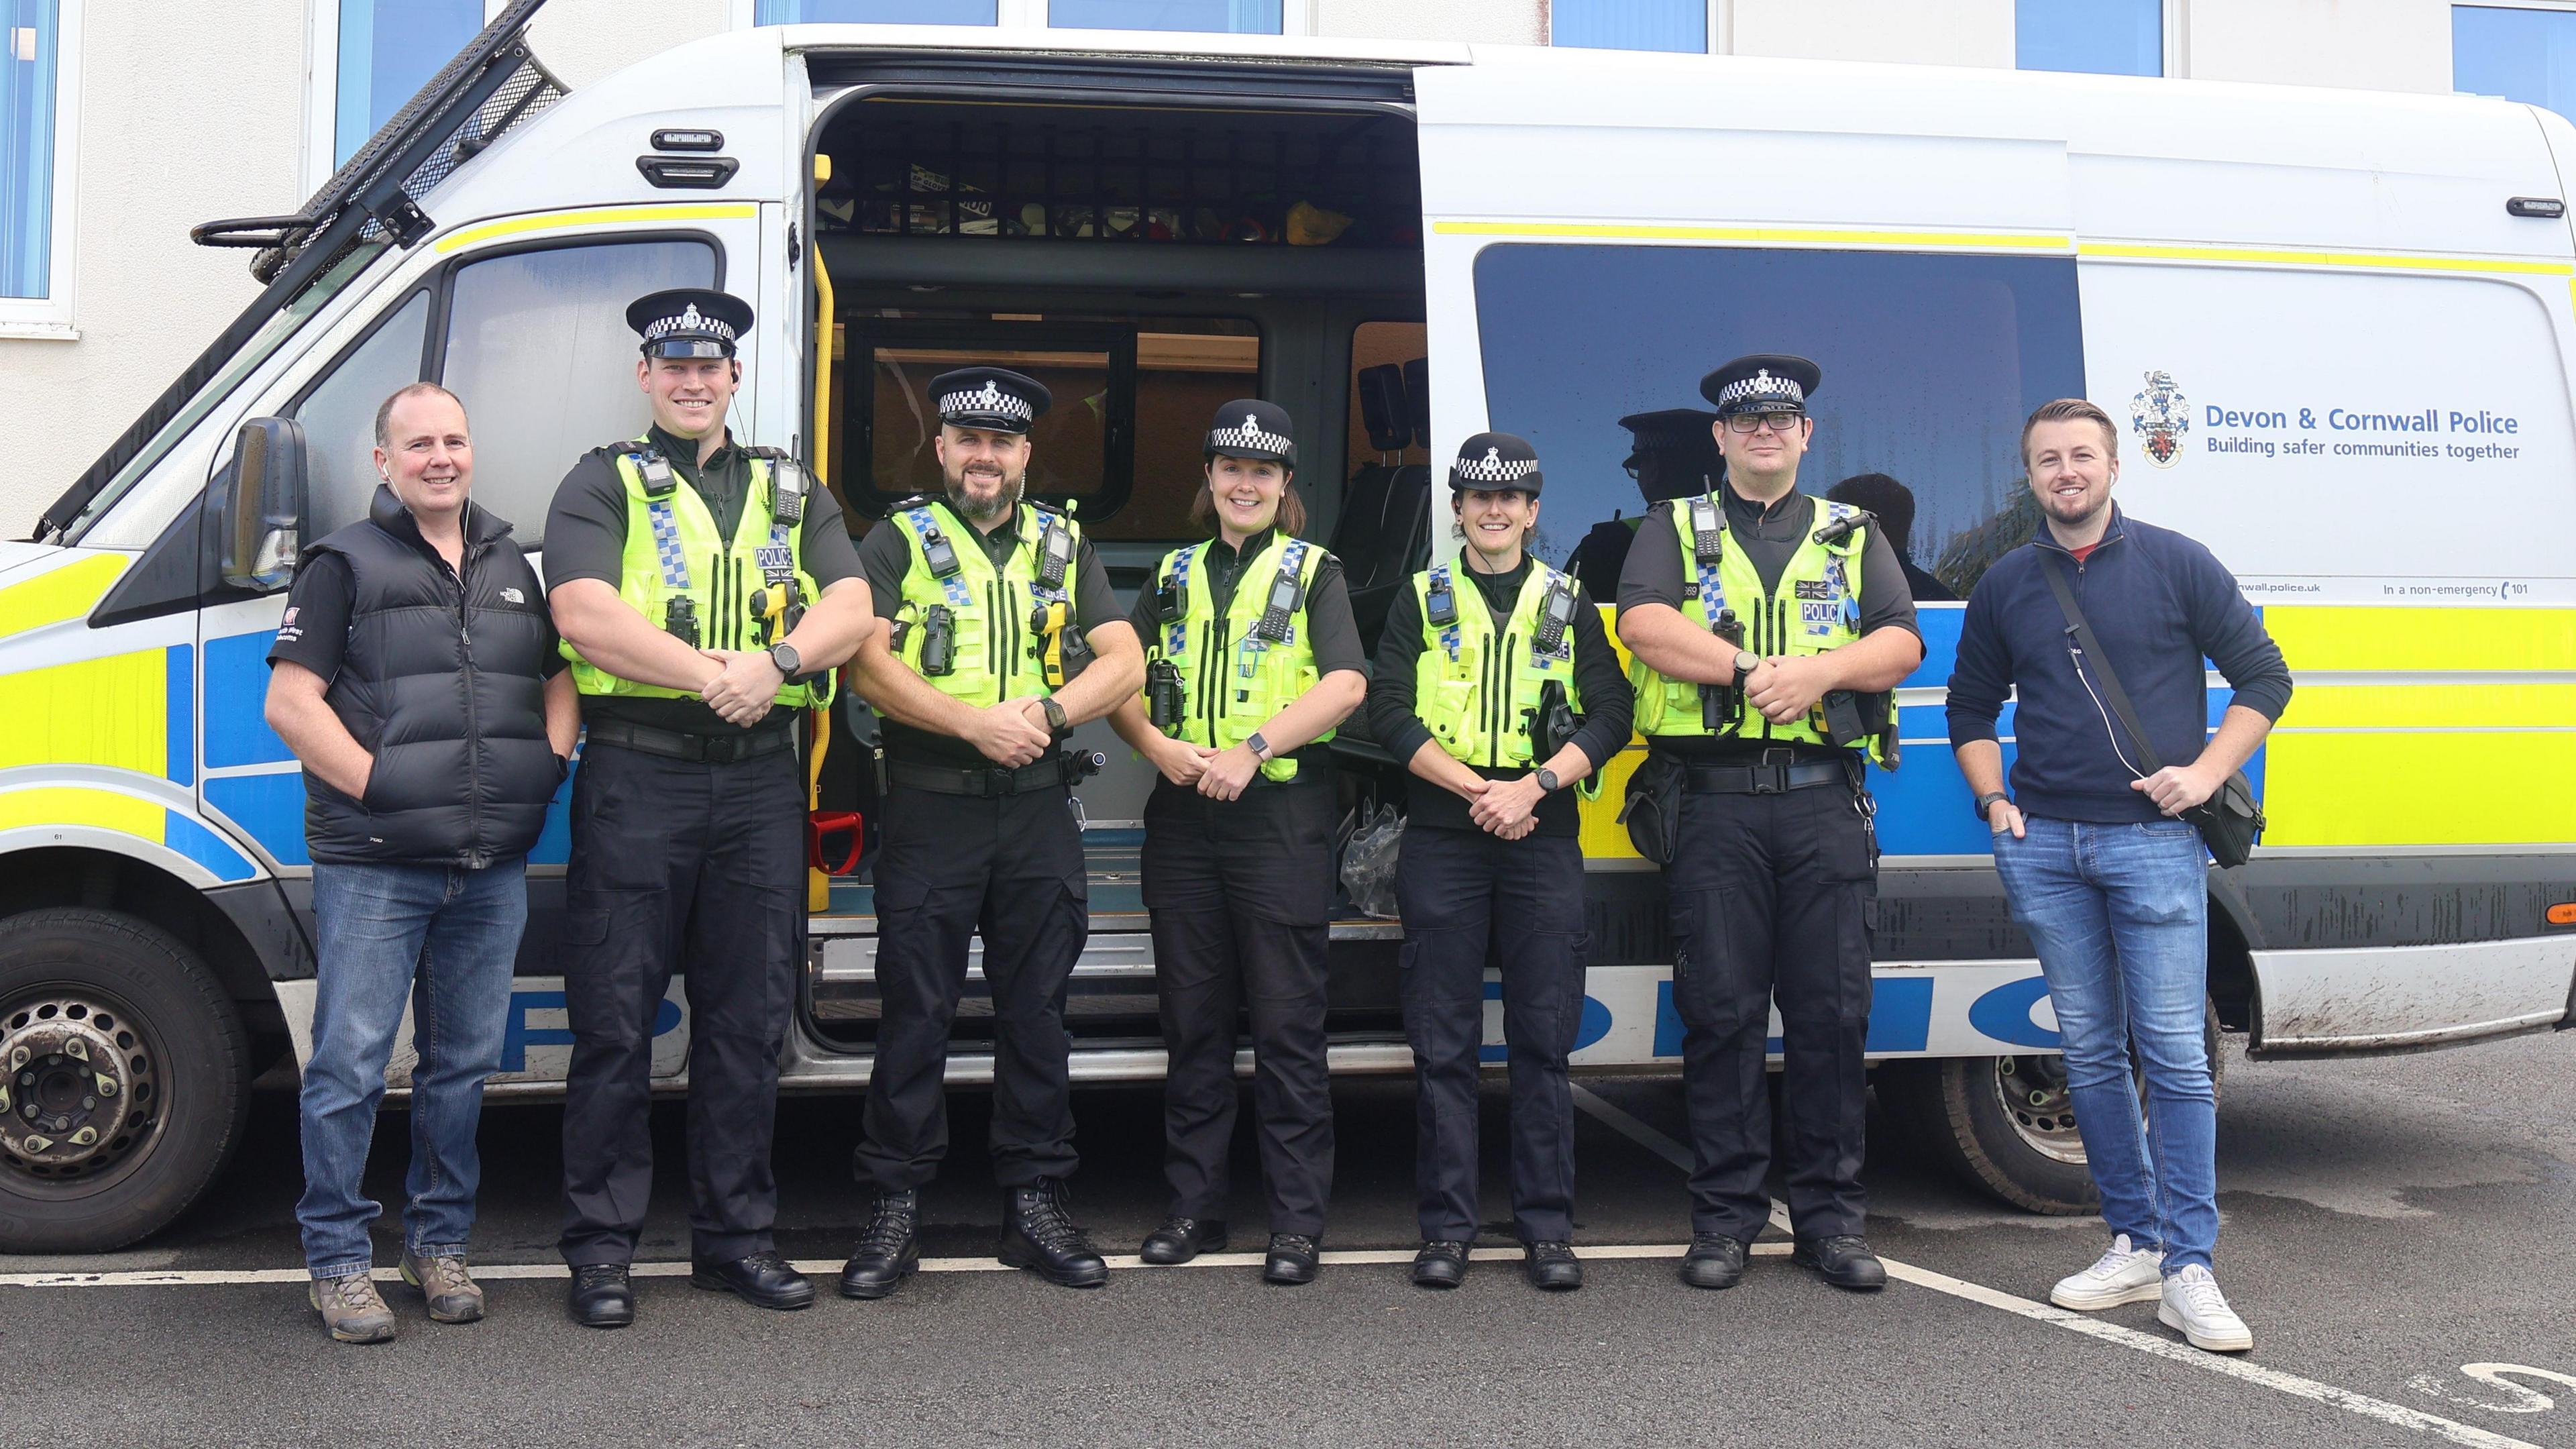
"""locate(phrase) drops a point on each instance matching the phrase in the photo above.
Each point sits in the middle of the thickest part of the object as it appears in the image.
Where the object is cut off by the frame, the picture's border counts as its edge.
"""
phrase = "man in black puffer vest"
(417, 676)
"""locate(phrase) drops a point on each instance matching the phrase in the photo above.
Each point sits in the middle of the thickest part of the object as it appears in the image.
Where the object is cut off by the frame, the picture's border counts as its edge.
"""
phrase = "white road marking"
(2524, 1400)
(2398, 1415)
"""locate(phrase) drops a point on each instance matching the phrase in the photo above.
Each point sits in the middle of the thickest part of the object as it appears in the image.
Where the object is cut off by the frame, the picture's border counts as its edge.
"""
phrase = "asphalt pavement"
(2396, 1231)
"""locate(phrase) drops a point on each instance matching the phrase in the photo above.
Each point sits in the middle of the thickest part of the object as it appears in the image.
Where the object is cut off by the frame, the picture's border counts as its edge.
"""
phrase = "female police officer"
(1484, 667)
(1253, 660)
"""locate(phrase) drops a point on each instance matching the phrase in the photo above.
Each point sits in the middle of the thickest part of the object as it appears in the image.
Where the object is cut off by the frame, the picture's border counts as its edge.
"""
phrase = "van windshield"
(286, 322)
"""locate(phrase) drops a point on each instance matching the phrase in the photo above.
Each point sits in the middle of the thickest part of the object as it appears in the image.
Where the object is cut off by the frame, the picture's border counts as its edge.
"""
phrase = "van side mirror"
(264, 505)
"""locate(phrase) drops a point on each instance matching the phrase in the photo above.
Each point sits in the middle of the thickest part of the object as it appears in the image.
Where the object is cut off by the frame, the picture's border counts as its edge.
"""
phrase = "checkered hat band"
(1248, 437)
(1493, 468)
(1779, 389)
(989, 401)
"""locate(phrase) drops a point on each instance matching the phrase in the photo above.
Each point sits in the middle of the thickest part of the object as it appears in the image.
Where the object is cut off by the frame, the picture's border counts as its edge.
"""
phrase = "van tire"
(180, 1063)
(1976, 1117)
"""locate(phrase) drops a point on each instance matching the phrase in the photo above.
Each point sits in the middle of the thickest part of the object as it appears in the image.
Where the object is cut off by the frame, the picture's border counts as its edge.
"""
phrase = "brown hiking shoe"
(352, 1309)
(453, 1297)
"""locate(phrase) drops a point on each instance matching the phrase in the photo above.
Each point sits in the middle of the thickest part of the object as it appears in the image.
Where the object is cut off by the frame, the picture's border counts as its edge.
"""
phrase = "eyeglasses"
(1755, 422)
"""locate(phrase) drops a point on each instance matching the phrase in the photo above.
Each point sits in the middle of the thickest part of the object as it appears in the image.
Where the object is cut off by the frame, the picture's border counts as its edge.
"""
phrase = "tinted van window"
(1930, 364)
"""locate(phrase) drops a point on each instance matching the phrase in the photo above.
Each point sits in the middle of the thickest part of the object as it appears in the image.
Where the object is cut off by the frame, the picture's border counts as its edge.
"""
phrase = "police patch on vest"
(1820, 616)
(1814, 589)
(777, 562)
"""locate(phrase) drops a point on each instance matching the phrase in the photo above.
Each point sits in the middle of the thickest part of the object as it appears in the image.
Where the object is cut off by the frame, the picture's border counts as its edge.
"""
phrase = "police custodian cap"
(1250, 428)
(689, 322)
(1766, 382)
(992, 398)
(1494, 462)
(1683, 441)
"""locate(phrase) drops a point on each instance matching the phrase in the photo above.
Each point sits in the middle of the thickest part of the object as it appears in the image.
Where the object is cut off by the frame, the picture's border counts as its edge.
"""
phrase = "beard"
(984, 511)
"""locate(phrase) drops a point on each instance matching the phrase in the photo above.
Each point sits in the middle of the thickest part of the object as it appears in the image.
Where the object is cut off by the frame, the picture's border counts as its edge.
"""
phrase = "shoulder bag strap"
(2088, 650)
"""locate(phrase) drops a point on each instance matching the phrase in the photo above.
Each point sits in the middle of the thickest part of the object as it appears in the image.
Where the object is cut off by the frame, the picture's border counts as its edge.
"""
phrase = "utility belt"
(1652, 810)
(1768, 777)
(696, 749)
(1064, 769)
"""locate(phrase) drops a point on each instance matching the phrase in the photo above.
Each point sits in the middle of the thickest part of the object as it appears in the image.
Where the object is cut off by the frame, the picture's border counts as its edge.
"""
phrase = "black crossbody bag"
(2232, 819)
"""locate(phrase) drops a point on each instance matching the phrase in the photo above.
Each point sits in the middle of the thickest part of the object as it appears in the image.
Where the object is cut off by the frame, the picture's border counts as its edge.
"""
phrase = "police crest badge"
(2160, 415)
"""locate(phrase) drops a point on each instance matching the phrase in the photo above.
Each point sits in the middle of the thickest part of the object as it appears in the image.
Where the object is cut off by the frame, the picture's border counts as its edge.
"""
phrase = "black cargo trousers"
(1775, 897)
(698, 868)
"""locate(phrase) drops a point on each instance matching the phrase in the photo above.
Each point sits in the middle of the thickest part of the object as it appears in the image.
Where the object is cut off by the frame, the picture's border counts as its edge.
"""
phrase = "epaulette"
(902, 505)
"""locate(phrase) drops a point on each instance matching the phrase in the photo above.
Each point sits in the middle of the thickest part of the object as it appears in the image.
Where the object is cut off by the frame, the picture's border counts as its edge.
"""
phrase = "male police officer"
(995, 602)
(704, 591)
(1768, 629)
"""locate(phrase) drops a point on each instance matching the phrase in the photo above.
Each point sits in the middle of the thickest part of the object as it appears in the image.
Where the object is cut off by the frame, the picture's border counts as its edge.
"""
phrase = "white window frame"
(322, 88)
(49, 317)
(1296, 17)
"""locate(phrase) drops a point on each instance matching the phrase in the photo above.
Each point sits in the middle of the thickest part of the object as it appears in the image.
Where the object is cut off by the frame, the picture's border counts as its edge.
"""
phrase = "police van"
(2336, 329)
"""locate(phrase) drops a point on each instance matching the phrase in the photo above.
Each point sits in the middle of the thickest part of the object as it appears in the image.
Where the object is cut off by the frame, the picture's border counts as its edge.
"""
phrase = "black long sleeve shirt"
(1395, 724)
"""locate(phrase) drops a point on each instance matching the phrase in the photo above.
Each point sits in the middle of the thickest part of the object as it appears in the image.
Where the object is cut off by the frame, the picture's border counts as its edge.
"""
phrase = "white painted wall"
(1922, 32)
(586, 40)
(1509, 22)
(2397, 45)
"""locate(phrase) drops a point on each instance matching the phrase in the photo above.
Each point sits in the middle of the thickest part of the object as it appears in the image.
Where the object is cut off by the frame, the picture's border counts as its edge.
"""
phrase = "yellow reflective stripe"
(2328, 638)
(2431, 707)
(595, 216)
(1620, 231)
(72, 805)
(2385, 261)
(64, 593)
(1599, 831)
(2418, 789)
(112, 711)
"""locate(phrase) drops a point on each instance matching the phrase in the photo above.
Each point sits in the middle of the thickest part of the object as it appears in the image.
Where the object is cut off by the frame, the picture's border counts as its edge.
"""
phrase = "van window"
(538, 349)
(339, 415)
(1930, 365)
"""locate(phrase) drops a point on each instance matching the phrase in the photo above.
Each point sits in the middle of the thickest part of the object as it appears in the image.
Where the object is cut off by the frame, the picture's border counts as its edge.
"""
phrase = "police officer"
(704, 590)
(1768, 628)
(1497, 686)
(1005, 636)
(1252, 661)
(1672, 456)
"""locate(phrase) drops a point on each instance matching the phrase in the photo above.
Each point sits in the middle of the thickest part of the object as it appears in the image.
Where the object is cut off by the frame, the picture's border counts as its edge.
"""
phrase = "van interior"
(1148, 262)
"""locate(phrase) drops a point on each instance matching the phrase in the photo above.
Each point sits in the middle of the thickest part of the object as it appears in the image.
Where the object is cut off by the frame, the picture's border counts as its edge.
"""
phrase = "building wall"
(193, 111)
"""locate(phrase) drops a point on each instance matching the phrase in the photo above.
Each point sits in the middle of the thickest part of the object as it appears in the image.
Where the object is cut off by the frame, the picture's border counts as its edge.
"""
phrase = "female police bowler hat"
(1250, 428)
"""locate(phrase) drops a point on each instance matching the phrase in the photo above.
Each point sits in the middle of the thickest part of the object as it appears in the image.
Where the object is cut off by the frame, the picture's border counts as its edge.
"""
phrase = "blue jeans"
(442, 938)
(2119, 914)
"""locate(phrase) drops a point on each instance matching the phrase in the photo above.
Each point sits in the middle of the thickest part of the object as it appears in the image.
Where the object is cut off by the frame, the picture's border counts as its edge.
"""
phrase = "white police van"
(2338, 327)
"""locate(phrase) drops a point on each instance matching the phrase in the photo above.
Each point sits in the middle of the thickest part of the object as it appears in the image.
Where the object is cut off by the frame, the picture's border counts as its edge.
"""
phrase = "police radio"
(1556, 615)
(788, 485)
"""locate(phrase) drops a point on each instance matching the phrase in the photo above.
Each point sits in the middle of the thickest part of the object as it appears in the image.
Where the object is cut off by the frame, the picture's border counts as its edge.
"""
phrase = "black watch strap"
(1547, 780)
(1986, 804)
(1055, 715)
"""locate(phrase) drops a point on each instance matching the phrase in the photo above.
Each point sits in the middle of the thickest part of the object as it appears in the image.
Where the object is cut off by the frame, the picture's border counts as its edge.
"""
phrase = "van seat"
(1381, 539)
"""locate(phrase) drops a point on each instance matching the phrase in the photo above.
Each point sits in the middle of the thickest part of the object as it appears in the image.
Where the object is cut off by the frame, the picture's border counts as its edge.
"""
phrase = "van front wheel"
(126, 1080)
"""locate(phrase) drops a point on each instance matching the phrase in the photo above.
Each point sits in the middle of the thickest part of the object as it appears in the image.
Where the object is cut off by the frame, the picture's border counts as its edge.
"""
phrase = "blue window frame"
(2104, 37)
(1232, 17)
(878, 12)
(2522, 55)
(388, 49)
(27, 82)
(1630, 24)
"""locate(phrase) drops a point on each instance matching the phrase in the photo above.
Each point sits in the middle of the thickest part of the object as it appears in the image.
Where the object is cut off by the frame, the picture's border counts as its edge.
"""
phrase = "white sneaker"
(2122, 1275)
(2193, 1304)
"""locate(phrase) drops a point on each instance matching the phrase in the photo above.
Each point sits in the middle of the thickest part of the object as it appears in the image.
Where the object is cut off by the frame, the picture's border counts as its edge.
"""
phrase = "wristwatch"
(1746, 661)
(1986, 802)
(1260, 747)
(1547, 781)
(1055, 716)
(783, 654)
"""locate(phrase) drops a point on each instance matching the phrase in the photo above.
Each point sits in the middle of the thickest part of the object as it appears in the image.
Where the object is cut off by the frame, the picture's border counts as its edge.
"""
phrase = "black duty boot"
(601, 1296)
(1843, 1260)
(1039, 1234)
(888, 1251)
(1180, 1239)
(1714, 1261)
(1293, 1259)
(761, 1279)
(1553, 1267)
(1440, 1264)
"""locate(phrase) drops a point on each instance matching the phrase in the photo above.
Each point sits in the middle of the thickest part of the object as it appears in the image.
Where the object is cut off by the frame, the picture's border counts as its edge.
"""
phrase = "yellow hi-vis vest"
(952, 588)
(1476, 688)
(1239, 668)
(1816, 607)
(674, 551)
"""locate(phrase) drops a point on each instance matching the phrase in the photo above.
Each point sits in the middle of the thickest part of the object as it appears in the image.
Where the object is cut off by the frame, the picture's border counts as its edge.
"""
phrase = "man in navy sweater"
(2100, 869)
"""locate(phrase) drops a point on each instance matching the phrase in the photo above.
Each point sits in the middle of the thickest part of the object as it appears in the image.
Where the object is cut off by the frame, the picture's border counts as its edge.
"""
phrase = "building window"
(38, 75)
(385, 51)
(1232, 17)
(1630, 24)
(880, 12)
(2522, 55)
(2104, 37)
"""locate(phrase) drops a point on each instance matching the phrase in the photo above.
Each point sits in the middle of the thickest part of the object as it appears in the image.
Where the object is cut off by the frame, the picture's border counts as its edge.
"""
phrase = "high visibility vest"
(734, 589)
(1238, 668)
(1815, 607)
(1477, 688)
(1004, 632)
